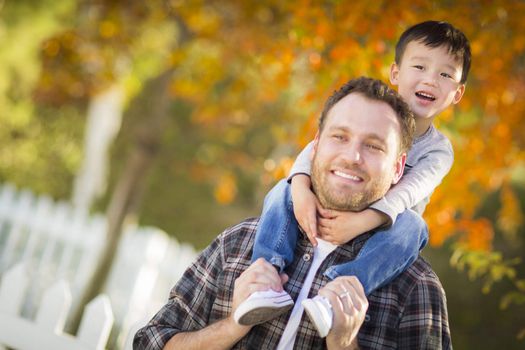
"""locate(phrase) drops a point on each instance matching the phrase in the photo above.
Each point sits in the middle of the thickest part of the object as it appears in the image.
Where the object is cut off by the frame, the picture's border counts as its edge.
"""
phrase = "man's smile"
(347, 176)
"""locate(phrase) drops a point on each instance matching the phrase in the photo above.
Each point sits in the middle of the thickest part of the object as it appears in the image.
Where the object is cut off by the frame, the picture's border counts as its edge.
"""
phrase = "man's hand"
(223, 334)
(259, 276)
(349, 305)
(305, 205)
(339, 227)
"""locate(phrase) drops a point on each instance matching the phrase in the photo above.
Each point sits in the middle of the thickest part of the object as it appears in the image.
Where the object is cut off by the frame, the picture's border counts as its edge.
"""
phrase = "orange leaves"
(108, 29)
(478, 234)
(345, 50)
(203, 20)
(510, 216)
(282, 169)
(441, 224)
(225, 189)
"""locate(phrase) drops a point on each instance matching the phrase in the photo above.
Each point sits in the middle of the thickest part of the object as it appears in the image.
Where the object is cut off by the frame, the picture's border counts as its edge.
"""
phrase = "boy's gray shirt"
(428, 161)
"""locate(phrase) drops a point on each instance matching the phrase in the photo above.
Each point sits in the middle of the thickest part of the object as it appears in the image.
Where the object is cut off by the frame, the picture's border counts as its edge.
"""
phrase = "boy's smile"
(428, 79)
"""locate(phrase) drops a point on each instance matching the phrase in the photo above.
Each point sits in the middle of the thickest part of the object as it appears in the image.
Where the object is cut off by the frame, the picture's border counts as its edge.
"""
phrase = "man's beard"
(331, 198)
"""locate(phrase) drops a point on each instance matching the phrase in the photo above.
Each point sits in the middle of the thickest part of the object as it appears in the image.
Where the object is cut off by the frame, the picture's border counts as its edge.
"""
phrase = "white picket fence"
(56, 243)
(46, 331)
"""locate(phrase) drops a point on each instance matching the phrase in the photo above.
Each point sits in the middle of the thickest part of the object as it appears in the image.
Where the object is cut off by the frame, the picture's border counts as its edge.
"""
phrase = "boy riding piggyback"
(432, 61)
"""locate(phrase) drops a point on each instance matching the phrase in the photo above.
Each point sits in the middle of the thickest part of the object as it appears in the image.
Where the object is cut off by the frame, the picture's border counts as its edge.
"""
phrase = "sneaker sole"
(262, 315)
(309, 307)
(249, 314)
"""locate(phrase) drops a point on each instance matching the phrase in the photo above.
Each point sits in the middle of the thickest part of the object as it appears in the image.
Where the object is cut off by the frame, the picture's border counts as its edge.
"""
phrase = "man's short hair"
(435, 34)
(376, 90)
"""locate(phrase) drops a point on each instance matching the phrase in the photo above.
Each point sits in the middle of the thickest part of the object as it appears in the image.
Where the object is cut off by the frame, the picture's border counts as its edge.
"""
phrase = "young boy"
(431, 65)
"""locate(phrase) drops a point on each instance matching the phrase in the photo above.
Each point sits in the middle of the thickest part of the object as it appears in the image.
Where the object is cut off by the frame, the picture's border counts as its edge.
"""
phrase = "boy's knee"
(410, 217)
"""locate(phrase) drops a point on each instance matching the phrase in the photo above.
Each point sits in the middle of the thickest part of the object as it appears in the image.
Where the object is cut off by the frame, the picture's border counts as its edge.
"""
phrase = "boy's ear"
(394, 74)
(459, 93)
(314, 148)
(399, 168)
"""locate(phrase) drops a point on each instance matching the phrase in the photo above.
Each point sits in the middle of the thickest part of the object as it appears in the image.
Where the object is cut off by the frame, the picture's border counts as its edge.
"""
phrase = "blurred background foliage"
(246, 83)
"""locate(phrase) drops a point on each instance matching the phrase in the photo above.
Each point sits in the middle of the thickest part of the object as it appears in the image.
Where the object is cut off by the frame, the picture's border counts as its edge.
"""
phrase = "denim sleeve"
(386, 254)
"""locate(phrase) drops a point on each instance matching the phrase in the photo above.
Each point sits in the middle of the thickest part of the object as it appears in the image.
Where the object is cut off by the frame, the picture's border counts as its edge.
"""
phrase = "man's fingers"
(284, 278)
(359, 298)
(261, 272)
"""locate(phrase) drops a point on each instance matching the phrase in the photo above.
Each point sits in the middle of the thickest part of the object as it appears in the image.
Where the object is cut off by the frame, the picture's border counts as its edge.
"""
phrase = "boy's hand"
(339, 227)
(305, 206)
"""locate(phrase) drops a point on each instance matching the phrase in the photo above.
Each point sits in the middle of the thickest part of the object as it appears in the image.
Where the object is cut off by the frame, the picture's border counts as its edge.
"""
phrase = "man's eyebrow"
(338, 128)
(374, 136)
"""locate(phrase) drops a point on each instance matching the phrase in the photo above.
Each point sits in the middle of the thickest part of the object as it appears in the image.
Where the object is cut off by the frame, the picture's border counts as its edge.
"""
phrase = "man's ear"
(459, 93)
(314, 148)
(394, 73)
(399, 168)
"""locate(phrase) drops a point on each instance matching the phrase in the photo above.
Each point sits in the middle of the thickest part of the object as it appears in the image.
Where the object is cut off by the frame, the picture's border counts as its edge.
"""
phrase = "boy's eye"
(417, 66)
(446, 75)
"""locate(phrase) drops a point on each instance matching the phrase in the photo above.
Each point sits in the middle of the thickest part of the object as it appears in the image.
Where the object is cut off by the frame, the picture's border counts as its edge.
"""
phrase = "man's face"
(428, 79)
(356, 156)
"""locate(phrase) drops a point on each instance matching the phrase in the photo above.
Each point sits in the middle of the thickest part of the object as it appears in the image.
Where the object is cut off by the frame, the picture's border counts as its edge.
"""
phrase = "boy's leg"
(275, 240)
(383, 257)
(387, 253)
(276, 234)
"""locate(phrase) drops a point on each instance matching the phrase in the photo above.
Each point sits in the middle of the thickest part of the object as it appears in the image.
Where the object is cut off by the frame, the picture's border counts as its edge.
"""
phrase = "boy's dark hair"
(435, 34)
(376, 90)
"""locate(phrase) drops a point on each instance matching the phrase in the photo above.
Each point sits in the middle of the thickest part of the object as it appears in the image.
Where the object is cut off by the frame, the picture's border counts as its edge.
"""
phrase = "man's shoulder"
(238, 239)
(417, 278)
(244, 228)
(421, 270)
(417, 287)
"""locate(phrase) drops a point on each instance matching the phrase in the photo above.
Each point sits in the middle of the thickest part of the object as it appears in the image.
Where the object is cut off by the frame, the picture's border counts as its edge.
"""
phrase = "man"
(356, 158)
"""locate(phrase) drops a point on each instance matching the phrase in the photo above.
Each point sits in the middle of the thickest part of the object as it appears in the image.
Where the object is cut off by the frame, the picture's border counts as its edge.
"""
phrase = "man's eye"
(374, 147)
(338, 137)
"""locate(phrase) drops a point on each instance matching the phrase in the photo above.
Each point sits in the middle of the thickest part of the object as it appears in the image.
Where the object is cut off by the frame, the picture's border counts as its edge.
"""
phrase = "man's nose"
(352, 153)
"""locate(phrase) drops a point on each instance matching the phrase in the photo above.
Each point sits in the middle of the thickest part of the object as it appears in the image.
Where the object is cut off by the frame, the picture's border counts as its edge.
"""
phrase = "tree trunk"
(128, 191)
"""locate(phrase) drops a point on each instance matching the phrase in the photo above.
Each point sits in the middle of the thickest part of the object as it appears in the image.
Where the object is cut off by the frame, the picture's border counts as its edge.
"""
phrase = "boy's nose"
(431, 79)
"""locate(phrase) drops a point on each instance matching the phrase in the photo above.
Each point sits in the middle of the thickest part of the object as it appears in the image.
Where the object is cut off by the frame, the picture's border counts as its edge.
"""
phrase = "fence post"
(96, 323)
(54, 307)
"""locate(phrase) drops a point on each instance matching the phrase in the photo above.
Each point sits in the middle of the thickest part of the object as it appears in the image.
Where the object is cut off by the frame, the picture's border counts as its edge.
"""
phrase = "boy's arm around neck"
(431, 161)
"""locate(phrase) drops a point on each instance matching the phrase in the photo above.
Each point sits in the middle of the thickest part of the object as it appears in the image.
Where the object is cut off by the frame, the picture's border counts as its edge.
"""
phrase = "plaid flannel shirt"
(409, 313)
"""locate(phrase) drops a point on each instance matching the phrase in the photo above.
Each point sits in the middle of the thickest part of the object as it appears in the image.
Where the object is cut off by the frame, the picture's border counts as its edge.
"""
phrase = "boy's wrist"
(300, 182)
(378, 218)
(300, 178)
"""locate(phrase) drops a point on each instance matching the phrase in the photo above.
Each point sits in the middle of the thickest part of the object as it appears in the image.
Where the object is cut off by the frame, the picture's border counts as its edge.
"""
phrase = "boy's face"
(428, 79)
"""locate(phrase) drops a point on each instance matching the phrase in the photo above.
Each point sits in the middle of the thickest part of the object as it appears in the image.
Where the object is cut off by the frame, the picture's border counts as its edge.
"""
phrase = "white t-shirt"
(290, 332)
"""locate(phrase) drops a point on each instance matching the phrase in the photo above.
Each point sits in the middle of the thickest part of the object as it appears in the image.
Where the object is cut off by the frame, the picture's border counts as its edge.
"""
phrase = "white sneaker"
(260, 307)
(320, 313)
